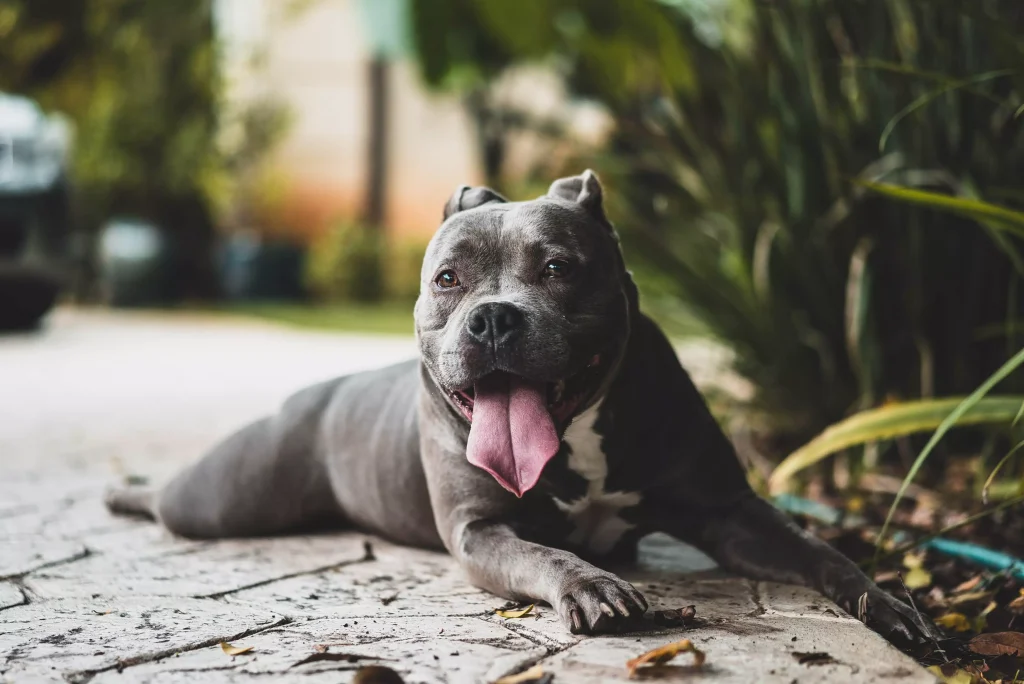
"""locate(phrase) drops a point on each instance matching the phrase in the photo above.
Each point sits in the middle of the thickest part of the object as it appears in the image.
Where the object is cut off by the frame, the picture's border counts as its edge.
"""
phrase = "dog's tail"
(134, 501)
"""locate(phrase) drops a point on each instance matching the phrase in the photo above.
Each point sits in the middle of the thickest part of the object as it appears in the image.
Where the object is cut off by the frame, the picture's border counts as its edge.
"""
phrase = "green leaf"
(894, 420)
(978, 210)
(933, 94)
(964, 408)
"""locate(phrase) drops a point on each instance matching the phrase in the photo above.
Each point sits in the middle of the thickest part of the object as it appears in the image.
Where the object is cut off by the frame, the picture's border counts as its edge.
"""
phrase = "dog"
(547, 423)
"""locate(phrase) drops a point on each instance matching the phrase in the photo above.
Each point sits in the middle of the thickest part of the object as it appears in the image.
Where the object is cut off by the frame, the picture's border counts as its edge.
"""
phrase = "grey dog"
(546, 421)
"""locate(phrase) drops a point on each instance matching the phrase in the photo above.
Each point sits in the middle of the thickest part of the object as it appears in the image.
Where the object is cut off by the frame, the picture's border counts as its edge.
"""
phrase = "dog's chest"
(595, 516)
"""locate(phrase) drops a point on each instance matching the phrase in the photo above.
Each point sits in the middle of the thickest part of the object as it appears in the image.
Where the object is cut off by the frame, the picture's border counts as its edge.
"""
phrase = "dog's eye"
(447, 279)
(556, 268)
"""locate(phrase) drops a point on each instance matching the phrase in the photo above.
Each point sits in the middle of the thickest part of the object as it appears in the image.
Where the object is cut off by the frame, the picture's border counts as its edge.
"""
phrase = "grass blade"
(931, 95)
(1001, 217)
(995, 471)
(952, 419)
(893, 420)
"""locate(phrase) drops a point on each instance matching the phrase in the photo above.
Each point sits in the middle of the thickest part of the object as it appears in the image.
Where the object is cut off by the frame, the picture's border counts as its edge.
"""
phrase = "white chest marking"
(596, 513)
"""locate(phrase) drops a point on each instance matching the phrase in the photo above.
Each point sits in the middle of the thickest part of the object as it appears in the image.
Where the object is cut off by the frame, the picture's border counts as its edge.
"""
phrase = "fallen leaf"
(234, 650)
(981, 622)
(513, 613)
(951, 675)
(1017, 604)
(663, 654)
(815, 658)
(956, 621)
(972, 597)
(916, 576)
(997, 643)
(968, 585)
(534, 675)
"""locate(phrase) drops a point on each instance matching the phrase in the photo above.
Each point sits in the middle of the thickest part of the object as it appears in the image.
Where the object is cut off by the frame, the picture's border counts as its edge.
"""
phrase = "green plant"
(737, 167)
(896, 420)
(346, 264)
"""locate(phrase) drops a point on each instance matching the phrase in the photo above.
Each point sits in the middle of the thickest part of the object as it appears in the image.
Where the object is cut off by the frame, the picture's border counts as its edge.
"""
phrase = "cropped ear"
(584, 189)
(470, 198)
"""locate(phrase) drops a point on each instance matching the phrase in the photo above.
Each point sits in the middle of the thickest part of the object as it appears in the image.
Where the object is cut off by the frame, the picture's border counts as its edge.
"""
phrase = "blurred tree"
(140, 80)
(740, 126)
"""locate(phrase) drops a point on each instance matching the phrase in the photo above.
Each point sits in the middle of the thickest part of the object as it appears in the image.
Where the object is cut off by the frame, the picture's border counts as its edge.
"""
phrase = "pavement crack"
(549, 645)
(85, 552)
(290, 575)
(84, 676)
(25, 594)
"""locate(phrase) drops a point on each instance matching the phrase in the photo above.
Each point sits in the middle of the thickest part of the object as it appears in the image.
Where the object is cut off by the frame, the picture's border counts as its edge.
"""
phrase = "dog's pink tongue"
(512, 435)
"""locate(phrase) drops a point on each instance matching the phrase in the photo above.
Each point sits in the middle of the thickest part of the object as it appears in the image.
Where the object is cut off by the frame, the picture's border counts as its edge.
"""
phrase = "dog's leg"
(267, 478)
(754, 539)
(588, 600)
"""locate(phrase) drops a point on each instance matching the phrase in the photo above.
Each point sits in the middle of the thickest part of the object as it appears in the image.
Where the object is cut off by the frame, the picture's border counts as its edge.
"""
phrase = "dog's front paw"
(597, 602)
(893, 619)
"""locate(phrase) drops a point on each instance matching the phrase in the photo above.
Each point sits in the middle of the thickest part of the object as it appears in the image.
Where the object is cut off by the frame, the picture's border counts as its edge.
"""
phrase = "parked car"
(34, 211)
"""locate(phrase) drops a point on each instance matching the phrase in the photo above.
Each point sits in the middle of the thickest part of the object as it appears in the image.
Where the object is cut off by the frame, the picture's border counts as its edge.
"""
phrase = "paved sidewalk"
(88, 597)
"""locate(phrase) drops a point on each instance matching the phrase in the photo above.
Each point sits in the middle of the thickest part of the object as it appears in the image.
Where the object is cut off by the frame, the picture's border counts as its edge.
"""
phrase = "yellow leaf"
(917, 577)
(516, 613)
(957, 677)
(234, 650)
(912, 561)
(981, 622)
(890, 421)
(531, 675)
(955, 621)
(1017, 604)
(663, 654)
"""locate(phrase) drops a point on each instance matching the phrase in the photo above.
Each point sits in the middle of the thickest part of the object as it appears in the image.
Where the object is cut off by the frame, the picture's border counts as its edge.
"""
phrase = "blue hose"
(979, 555)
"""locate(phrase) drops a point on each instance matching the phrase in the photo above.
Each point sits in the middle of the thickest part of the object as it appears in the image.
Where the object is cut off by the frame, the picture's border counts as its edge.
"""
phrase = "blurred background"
(827, 192)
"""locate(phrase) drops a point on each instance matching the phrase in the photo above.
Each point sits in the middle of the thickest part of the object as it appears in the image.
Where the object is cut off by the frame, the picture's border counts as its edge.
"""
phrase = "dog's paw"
(599, 602)
(894, 620)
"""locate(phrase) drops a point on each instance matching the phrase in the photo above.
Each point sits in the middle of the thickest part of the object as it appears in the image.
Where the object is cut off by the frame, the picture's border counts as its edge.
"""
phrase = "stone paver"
(87, 597)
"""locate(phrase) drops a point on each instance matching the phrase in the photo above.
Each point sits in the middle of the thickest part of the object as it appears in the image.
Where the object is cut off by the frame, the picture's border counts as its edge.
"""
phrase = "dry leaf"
(968, 585)
(972, 597)
(1017, 604)
(955, 621)
(234, 650)
(916, 576)
(997, 643)
(663, 654)
(534, 674)
(951, 675)
(513, 613)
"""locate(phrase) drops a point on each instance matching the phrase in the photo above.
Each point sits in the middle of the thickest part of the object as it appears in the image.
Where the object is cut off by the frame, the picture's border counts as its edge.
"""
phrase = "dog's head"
(523, 316)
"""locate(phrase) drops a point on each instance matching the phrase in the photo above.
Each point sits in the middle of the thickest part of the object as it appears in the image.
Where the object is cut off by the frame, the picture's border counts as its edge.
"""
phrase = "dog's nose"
(495, 323)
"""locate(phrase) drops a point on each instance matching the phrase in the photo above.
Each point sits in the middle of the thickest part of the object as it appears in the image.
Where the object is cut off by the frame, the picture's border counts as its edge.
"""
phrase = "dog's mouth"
(564, 397)
(515, 422)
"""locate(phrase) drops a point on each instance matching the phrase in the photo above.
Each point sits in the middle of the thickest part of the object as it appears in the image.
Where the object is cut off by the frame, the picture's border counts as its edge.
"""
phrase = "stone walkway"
(88, 597)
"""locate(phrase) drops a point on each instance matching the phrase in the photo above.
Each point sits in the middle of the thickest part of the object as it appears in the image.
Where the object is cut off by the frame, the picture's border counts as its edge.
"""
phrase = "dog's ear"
(584, 189)
(470, 198)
